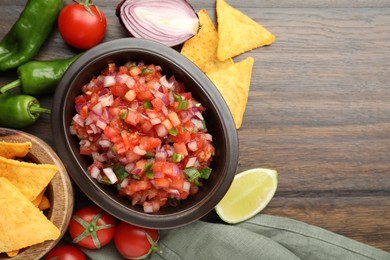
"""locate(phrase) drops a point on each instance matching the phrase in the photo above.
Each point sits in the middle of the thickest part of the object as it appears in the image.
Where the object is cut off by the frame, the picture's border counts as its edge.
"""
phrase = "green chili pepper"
(19, 111)
(40, 77)
(28, 34)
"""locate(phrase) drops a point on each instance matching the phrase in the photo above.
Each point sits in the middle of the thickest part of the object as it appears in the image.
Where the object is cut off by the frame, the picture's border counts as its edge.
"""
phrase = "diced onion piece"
(165, 83)
(98, 108)
(148, 208)
(77, 118)
(95, 171)
(191, 162)
(161, 130)
(155, 121)
(193, 146)
(108, 81)
(109, 172)
(186, 186)
(130, 82)
(124, 183)
(168, 22)
(139, 151)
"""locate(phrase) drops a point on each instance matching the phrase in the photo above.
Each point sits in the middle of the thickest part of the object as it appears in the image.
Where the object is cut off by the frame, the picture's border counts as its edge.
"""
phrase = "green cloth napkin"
(261, 237)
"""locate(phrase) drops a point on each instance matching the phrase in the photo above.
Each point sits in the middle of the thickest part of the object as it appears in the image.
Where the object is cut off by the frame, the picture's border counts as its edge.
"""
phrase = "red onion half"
(170, 22)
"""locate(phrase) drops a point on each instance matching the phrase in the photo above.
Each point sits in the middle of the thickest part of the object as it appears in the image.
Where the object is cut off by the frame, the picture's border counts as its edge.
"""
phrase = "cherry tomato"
(82, 25)
(134, 242)
(65, 252)
(91, 227)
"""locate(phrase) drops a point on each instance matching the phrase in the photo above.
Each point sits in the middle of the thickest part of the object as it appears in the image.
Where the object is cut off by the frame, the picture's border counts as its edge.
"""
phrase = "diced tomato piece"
(145, 95)
(88, 150)
(147, 126)
(130, 95)
(173, 117)
(149, 143)
(157, 104)
(162, 182)
(119, 89)
(132, 117)
(168, 125)
(180, 148)
(135, 71)
(140, 185)
(177, 183)
(111, 133)
(132, 157)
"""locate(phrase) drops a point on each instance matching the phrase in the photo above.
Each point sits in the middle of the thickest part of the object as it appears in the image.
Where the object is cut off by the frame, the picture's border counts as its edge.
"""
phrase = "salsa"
(146, 135)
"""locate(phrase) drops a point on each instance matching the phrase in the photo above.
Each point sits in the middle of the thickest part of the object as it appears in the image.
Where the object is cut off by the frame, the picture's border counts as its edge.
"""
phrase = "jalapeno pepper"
(29, 32)
(19, 111)
(38, 78)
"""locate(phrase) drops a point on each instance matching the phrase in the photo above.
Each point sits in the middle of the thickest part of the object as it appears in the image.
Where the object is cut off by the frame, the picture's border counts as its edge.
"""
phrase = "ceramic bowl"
(218, 120)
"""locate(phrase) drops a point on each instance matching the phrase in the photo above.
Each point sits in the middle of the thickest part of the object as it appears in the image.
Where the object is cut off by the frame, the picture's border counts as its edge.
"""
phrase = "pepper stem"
(39, 110)
(11, 85)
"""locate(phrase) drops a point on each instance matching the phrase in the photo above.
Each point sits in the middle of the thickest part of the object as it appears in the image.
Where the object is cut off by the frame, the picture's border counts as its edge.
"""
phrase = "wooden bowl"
(59, 191)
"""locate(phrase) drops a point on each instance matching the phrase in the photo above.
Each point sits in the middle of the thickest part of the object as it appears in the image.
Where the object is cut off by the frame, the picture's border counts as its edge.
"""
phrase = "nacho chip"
(29, 178)
(21, 223)
(45, 203)
(238, 33)
(233, 83)
(38, 199)
(12, 253)
(202, 48)
(13, 150)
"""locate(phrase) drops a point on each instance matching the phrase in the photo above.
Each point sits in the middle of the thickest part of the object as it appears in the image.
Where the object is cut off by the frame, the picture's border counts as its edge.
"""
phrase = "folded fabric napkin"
(261, 237)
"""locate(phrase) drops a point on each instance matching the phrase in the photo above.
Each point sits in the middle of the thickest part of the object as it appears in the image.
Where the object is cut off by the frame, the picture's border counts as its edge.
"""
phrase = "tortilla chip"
(202, 48)
(29, 178)
(45, 203)
(13, 253)
(233, 83)
(12, 150)
(38, 199)
(238, 33)
(21, 223)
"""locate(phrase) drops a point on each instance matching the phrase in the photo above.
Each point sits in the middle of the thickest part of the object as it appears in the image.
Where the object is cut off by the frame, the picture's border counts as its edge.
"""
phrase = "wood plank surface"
(318, 109)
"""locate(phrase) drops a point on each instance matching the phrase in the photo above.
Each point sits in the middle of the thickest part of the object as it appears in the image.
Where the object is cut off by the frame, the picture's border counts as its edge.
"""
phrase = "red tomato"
(65, 252)
(91, 227)
(135, 242)
(80, 27)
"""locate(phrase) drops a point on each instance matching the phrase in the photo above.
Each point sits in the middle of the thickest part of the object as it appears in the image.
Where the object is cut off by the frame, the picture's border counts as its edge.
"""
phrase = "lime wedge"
(250, 192)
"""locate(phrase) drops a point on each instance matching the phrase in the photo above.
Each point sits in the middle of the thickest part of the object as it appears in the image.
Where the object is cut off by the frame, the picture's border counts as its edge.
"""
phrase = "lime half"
(249, 193)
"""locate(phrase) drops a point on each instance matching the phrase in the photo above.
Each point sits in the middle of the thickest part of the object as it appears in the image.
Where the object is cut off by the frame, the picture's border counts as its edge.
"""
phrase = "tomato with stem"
(91, 227)
(135, 242)
(82, 24)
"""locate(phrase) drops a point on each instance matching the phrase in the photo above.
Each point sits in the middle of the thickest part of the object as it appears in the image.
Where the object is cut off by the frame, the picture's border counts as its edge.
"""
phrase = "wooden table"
(318, 108)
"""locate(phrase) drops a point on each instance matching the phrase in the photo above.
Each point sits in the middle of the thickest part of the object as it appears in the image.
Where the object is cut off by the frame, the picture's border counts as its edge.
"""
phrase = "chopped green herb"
(149, 155)
(205, 172)
(192, 174)
(121, 172)
(148, 166)
(105, 181)
(148, 104)
(146, 71)
(149, 174)
(183, 105)
(135, 176)
(176, 157)
(173, 131)
(177, 97)
(123, 115)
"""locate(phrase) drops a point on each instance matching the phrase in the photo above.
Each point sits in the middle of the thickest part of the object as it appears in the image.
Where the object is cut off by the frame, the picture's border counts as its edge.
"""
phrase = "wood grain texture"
(318, 108)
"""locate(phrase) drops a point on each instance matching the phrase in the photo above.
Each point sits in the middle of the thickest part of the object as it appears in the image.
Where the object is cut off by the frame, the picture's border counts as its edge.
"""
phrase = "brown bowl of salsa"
(144, 133)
